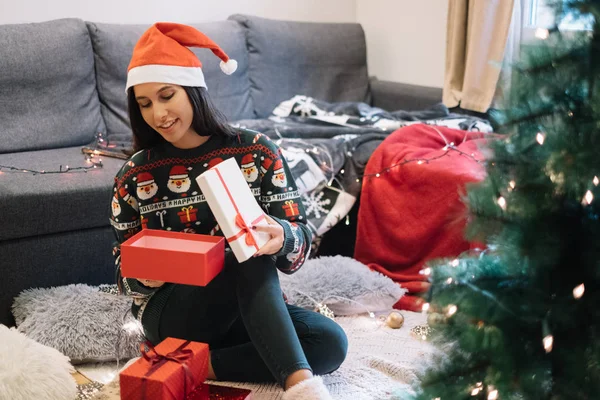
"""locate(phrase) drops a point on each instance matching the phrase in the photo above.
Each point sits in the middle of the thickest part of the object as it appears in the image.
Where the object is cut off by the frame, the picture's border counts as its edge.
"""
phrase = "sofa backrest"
(327, 61)
(113, 46)
(48, 95)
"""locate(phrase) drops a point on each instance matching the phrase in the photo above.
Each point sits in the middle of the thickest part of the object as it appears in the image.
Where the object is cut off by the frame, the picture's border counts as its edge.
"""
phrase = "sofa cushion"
(50, 203)
(113, 46)
(327, 61)
(48, 95)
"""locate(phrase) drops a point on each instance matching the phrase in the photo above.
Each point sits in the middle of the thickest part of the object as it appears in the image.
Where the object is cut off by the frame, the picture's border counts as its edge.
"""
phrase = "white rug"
(381, 361)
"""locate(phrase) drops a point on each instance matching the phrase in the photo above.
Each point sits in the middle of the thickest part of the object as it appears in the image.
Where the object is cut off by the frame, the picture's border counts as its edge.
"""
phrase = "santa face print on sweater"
(129, 199)
(115, 206)
(179, 179)
(279, 179)
(146, 187)
(249, 168)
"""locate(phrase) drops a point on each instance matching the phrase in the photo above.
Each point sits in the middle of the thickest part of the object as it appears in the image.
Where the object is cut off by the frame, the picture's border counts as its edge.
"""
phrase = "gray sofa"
(63, 81)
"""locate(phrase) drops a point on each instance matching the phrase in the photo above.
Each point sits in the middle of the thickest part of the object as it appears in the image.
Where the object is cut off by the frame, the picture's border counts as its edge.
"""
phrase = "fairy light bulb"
(596, 181)
(548, 343)
(420, 162)
(540, 137)
(579, 291)
(426, 271)
(378, 175)
(449, 281)
(493, 395)
(455, 263)
(475, 391)
(512, 184)
(342, 171)
(589, 197)
(542, 33)
(425, 307)
(502, 202)
(452, 309)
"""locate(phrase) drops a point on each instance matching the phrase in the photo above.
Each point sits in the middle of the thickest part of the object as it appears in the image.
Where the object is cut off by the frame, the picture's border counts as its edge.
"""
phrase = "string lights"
(449, 147)
(92, 159)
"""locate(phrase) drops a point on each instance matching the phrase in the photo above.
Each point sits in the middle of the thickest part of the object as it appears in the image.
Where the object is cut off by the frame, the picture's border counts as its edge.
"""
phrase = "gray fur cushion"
(345, 285)
(80, 321)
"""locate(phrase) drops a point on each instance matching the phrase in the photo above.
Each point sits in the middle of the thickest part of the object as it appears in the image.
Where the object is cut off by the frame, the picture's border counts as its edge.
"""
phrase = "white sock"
(310, 389)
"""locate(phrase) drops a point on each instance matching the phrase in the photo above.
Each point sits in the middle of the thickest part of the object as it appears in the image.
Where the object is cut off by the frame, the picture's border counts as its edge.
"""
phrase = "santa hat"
(144, 178)
(248, 161)
(124, 194)
(162, 55)
(266, 164)
(214, 162)
(178, 172)
(278, 168)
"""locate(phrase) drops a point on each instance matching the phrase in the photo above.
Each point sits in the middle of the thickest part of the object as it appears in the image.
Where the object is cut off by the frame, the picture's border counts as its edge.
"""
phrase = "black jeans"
(254, 336)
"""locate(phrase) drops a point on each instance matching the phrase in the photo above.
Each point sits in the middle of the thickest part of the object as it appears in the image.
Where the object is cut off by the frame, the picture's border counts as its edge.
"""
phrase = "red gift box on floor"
(176, 257)
(170, 371)
(217, 392)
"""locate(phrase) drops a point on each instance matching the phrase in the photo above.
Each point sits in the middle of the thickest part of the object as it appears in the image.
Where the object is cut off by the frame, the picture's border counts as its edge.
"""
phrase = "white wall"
(406, 39)
(184, 11)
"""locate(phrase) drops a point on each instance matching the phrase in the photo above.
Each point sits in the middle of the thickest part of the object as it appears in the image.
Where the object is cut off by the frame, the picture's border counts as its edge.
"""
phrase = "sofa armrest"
(393, 96)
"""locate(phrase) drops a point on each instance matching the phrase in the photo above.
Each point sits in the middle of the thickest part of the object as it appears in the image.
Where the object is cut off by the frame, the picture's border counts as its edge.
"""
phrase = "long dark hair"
(207, 120)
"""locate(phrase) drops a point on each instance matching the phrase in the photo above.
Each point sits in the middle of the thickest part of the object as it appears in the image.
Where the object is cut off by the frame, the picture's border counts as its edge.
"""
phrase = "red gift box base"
(216, 392)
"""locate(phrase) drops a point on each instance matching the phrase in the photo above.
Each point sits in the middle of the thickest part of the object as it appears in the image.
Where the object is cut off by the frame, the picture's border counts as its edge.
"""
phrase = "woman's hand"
(151, 283)
(277, 237)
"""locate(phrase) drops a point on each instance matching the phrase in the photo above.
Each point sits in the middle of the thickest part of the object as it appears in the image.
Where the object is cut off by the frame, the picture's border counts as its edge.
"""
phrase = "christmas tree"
(521, 319)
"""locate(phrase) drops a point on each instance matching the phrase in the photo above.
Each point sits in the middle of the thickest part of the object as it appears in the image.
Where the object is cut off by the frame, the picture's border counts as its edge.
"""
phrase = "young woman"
(252, 333)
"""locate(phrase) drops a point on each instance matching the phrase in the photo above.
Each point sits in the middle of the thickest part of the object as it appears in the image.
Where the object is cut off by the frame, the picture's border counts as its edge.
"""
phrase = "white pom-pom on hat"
(228, 67)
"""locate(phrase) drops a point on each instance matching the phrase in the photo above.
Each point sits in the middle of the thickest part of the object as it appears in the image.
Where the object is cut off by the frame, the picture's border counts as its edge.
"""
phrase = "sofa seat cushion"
(42, 204)
(113, 46)
(326, 61)
(48, 95)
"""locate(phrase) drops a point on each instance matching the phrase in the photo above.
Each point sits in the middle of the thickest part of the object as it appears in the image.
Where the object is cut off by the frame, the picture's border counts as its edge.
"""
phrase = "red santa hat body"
(144, 178)
(124, 194)
(162, 55)
(214, 161)
(248, 161)
(266, 164)
(178, 172)
(278, 167)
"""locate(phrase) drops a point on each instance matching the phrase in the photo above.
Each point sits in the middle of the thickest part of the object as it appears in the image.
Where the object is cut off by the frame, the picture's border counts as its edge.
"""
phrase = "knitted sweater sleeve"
(125, 220)
(281, 199)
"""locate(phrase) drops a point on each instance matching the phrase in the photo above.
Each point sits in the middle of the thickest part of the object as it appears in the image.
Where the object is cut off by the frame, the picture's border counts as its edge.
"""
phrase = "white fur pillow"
(345, 285)
(30, 370)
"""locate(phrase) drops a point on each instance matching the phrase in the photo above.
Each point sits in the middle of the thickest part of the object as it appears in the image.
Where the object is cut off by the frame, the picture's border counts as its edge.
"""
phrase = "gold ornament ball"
(434, 319)
(395, 320)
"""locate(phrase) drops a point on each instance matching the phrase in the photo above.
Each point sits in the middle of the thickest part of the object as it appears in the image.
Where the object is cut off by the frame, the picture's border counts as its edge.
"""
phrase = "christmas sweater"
(157, 189)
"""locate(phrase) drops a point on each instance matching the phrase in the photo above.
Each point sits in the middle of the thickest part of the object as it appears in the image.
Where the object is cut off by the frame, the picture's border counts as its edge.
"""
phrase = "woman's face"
(167, 109)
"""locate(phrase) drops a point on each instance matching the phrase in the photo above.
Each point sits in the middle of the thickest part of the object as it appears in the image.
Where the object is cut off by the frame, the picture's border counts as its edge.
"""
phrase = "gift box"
(173, 370)
(176, 257)
(234, 207)
(217, 392)
(188, 214)
(290, 208)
